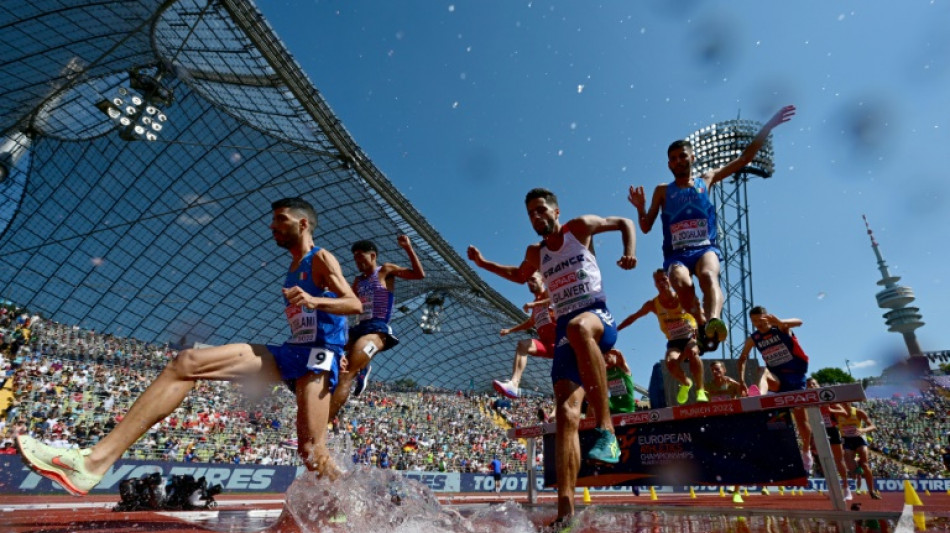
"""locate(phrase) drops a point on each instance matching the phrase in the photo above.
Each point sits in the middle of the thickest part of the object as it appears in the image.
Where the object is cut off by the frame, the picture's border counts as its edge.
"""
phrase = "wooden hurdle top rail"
(852, 392)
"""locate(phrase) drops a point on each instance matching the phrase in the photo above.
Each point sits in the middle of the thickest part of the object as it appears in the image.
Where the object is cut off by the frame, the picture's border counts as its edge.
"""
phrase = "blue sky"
(466, 105)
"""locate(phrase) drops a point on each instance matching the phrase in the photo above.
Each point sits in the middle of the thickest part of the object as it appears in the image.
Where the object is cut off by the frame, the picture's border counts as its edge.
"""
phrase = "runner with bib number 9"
(316, 296)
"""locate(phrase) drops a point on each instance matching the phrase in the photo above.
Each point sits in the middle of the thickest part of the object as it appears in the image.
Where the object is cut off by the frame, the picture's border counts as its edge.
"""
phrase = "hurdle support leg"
(826, 457)
(532, 472)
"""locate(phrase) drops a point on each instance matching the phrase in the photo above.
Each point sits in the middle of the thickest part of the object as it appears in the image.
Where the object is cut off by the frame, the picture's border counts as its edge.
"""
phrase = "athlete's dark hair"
(659, 271)
(682, 143)
(757, 310)
(299, 206)
(548, 196)
(363, 246)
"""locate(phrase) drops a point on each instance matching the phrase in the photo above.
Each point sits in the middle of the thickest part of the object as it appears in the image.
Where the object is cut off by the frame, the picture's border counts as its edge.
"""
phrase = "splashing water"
(380, 500)
(373, 500)
(377, 500)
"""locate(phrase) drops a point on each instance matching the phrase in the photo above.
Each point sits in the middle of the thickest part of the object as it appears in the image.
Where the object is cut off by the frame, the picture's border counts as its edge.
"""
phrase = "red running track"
(65, 514)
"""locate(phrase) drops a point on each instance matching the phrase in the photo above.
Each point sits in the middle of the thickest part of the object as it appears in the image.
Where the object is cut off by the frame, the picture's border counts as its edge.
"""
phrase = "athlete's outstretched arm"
(646, 309)
(584, 227)
(780, 117)
(645, 217)
(524, 326)
(517, 274)
(544, 302)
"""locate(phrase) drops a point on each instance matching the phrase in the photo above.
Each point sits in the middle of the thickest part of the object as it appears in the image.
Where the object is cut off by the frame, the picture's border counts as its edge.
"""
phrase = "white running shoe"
(66, 467)
(808, 462)
(505, 388)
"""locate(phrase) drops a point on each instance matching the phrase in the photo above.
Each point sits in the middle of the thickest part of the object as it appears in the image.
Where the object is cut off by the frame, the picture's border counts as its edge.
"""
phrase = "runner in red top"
(543, 322)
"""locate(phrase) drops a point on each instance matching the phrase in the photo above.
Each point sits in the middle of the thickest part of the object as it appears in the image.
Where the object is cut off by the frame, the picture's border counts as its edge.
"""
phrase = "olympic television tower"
(902, 317)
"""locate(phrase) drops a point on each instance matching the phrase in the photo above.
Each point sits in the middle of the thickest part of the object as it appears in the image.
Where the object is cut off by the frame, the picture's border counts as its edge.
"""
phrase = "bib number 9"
(320, 359)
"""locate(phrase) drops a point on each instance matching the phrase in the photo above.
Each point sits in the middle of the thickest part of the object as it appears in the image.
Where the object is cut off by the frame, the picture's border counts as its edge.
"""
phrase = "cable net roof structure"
(142, 144)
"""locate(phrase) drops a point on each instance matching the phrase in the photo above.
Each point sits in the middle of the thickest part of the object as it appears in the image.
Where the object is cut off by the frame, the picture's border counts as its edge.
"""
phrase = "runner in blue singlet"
(689, 227)
(315, 296)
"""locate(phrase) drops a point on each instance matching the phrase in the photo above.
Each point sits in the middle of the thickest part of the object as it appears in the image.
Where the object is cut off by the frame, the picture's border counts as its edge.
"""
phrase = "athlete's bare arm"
(783, 324)
(621, 362)
(647, 217)
(391, 270)
(517, 274)
(543, 302)
(524, 326)
(838, 409)
(740, 364)
(646, 309)
(735, 388)
(586, 226)
(868, 425)
(713, 177)
(327, 273)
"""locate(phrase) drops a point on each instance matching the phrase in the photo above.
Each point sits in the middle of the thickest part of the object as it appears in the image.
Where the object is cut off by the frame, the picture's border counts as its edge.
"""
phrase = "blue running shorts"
(375, 325)
(295, 360)
(565, 361)
(689, 258)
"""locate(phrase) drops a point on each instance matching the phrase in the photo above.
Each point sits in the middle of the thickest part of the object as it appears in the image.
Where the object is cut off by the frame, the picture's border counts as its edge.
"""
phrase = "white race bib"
(689, 233)
(366, 299)
(320, 359)
(776, 355)
(616, 387)
(303, 324)
(679, 329)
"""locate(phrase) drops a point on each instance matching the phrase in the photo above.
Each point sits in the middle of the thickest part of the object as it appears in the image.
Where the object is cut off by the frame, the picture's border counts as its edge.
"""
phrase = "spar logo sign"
(527, 433)
(805, 397)
(642, 417)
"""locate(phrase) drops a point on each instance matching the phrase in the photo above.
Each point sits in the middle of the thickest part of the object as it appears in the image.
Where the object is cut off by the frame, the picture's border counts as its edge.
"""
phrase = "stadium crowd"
(69, 386)
(912, 435)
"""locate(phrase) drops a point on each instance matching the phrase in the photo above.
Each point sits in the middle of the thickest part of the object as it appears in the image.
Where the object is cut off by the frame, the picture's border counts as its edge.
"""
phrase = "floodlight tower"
(902, 318)
(714, 146)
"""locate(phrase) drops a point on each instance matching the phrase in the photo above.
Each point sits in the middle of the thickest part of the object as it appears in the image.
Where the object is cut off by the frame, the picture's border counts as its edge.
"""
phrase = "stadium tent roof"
(166, 240)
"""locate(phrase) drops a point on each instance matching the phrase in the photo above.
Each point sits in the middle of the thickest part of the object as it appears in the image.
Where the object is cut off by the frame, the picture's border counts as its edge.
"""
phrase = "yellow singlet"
(675, 323)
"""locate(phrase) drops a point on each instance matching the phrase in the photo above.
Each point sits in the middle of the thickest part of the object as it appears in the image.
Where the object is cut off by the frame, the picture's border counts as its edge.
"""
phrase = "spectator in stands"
(722, 387)
(496, 472)
(8, 448)
(316, 295)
